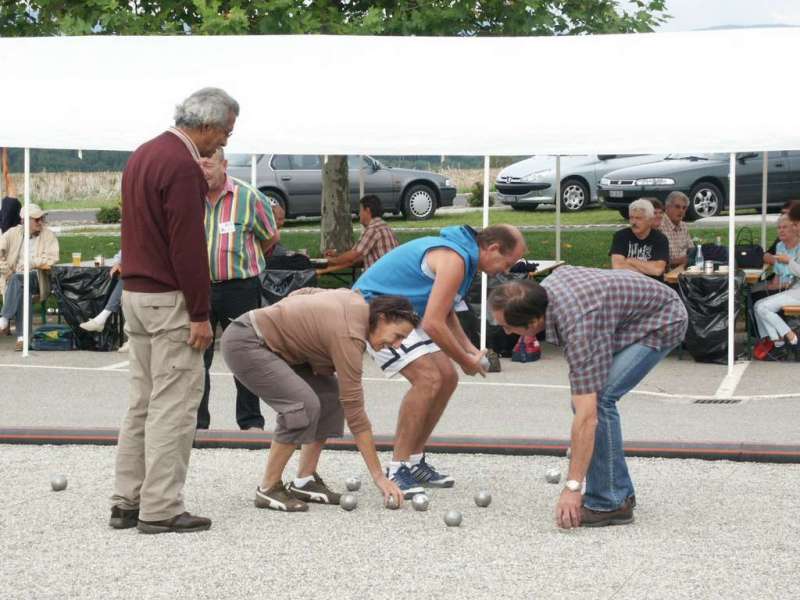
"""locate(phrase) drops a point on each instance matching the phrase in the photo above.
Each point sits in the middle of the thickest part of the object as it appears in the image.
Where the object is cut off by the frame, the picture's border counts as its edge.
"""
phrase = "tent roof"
(698, 91)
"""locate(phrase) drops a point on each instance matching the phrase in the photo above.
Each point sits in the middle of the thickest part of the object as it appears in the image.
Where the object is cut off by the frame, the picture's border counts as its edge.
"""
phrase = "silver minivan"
(531, 182)
(295, 182)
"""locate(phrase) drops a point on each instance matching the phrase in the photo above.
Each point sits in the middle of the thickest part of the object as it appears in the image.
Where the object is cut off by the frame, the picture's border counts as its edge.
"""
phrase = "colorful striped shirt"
(235, 226)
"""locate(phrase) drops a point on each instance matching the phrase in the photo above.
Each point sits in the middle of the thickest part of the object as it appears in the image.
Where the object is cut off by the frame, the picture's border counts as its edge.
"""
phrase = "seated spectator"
(98, 323)
(377, 239)
(10, 207)
(639, 247)
(674, 227)
(43, 255)
(786, 287)
(769, 253)
(658, 211)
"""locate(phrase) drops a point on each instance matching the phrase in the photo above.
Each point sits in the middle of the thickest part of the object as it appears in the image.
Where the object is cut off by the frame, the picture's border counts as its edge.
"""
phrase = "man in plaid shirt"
(614, 327)
(377, 239)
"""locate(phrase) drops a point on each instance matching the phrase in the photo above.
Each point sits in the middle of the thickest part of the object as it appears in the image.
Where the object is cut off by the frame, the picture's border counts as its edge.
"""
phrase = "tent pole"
(764, 176)
(253, 181)
(360, 176)
(731, 258)
(26, 286)
(484, 279)
(558, 207)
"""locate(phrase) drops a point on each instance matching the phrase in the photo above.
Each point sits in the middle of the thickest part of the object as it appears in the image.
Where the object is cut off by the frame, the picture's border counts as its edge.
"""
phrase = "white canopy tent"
(703, 92)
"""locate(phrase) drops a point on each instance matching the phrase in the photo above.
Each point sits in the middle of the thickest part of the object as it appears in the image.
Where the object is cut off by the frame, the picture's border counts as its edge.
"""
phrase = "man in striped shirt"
(240, 228)
(377, 239)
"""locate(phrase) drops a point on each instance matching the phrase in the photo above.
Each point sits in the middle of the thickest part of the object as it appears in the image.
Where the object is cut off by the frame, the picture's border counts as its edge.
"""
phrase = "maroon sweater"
(163, 235)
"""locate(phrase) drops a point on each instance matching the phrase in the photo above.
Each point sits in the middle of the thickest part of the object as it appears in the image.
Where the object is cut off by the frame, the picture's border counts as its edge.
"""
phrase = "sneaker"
(124, 347)
(620, 516)
(314, 491)
(122, 518)
(18, 345)
(406, 482)
(428, 476)
(182, 523)
(277, 498)
(92, 325)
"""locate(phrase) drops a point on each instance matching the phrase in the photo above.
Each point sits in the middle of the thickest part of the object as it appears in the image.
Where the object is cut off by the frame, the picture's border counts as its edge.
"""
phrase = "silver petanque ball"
(452, 518)
(483, 498)
(420, 502)
(353, 484)
(485, 363)
(552, 476)
(348, 502)
(391, 503)
(58, 483)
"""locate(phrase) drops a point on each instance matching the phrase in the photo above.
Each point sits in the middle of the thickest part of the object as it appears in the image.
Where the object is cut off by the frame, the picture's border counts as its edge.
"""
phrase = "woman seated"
(287, 355)
(785, 289)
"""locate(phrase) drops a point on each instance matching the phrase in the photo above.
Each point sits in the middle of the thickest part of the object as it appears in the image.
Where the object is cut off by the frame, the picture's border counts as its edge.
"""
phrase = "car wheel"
(419, 203)
(275, 197)
(574, 195)
(705, 200)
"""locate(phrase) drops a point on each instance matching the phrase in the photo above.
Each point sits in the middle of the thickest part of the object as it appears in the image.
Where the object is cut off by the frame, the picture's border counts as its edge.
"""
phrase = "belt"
(233, 282)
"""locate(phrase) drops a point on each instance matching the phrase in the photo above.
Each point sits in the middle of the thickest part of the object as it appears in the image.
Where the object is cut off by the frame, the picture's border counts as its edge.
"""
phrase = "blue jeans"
(115, 299)
(13, 306)
(608, 483)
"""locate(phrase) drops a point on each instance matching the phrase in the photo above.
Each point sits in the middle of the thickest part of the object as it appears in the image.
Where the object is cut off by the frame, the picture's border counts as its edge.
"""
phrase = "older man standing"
(639, 247)
(239, 229)
(673, 226)
(614, 327)
(166, 306)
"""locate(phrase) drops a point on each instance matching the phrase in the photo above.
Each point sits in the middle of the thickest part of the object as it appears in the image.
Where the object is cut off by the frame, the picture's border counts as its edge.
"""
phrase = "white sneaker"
(124, 347)
(92, 325)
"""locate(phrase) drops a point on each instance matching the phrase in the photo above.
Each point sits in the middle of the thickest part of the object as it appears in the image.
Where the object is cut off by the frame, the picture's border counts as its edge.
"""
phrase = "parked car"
(704, 179)
(295, 181)
(531, 182)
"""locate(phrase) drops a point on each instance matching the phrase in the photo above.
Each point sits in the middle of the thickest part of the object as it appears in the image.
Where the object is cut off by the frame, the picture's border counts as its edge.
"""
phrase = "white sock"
(3, 322)
(302, 481)
(394, 466)
(793, 343)
(20, 339)
(779, 343)
(415, 459)
(103, 316)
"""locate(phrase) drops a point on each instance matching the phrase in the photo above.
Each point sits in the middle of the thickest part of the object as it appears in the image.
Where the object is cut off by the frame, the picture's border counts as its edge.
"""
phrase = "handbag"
(748, 255)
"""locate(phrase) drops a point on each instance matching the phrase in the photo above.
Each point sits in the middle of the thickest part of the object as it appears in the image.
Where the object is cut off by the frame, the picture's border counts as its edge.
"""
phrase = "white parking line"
(727, 383)
(731, 380)
(115, 366)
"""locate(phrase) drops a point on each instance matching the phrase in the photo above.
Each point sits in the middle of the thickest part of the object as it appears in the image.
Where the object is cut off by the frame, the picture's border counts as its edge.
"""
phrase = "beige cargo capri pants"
(308, 405)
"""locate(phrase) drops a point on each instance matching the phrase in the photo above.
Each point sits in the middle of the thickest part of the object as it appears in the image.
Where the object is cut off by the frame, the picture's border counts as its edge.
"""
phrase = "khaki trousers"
(166, 386)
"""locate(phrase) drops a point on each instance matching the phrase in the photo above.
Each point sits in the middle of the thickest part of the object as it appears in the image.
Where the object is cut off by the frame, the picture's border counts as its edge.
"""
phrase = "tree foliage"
(373, 17)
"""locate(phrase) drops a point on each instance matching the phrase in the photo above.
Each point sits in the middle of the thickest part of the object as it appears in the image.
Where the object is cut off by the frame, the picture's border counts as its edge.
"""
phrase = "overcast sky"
(702, 14)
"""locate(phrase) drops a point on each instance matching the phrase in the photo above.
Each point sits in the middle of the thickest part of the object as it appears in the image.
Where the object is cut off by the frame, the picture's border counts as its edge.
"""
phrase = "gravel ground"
(703, 530)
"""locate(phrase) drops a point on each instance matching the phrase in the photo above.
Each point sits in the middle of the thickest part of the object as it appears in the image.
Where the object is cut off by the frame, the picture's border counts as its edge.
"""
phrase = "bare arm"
(267, 244)
(346, 259)
(619, 262)
(449, 271)
(584, 425)
(680, 261)
(655, 268)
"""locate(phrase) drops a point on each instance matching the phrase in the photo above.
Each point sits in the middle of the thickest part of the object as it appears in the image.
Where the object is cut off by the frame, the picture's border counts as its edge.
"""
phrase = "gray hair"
(209, 106)
(642, 205)
(675, 196)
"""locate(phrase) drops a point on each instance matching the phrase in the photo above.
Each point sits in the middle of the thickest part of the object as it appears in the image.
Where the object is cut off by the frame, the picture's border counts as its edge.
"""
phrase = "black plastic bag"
(276, 285)
(82, 292)
(706, 301)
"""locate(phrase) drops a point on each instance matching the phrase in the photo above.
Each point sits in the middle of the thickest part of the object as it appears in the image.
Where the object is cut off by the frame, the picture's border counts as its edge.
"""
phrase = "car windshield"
(240, 160)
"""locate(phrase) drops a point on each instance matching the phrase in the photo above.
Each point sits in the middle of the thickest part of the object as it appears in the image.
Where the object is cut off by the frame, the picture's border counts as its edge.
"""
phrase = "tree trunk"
(336, 225)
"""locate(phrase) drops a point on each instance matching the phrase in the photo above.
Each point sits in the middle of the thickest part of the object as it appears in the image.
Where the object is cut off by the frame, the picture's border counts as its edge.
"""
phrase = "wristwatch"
(572, 485)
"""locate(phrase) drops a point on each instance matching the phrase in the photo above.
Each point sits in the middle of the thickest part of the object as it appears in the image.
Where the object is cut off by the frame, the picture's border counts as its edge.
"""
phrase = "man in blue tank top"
(434, 273)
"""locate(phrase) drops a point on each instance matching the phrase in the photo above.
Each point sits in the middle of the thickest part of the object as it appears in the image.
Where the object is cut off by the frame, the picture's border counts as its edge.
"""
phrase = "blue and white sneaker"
(425, 474)
(406, 482)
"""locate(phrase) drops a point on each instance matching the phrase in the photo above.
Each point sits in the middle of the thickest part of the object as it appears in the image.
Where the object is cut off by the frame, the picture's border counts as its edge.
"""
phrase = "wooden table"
(750, 275)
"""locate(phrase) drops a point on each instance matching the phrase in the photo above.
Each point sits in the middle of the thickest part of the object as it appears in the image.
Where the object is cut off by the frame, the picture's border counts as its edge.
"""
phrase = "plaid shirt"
(377, 239)
(680, 242)
(235, 224)
(594, 314)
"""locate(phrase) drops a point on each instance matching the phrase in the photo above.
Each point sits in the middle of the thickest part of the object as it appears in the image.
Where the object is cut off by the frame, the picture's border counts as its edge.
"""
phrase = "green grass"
(84, 204)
